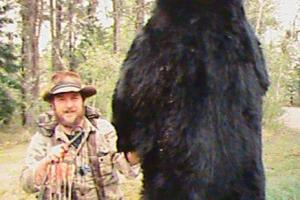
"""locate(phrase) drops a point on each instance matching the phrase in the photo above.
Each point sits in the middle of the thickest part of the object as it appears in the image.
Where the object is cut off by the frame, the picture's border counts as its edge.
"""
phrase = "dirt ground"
(291, 117)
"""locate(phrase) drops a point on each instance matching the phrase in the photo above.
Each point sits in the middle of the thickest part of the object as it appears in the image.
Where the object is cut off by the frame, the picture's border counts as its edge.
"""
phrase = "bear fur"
(189, 102)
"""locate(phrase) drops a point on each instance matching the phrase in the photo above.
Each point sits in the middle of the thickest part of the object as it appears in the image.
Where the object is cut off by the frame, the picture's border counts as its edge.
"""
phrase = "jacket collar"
(87, 128)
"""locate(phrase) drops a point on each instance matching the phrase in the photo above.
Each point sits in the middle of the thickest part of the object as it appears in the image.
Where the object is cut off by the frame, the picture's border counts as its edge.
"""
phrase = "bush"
(7, 107)
(280, 77)
(101, 69)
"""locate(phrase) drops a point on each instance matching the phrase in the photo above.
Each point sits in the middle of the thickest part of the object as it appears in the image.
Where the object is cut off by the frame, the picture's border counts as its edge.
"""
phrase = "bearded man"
(73, 155)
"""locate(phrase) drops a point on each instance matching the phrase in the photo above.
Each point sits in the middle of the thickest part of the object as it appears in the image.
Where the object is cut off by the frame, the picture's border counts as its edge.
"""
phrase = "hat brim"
(86, 91)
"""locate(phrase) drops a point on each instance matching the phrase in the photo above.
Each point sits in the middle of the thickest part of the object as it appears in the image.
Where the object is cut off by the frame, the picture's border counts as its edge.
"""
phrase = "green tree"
(31, 13)
(279, 54)
(261, 14)
(101, 69)
(8, 66)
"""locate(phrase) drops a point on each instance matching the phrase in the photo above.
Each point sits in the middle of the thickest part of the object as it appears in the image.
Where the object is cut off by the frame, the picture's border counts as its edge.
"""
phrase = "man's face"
(68, 108)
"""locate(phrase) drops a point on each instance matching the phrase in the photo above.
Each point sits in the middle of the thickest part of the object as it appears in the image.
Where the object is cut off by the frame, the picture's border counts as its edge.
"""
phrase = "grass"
(10, 167)
(14, 135)
(281, 158)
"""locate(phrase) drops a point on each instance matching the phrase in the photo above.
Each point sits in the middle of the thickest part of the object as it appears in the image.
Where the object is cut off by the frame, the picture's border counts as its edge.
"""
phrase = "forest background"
(92, 37)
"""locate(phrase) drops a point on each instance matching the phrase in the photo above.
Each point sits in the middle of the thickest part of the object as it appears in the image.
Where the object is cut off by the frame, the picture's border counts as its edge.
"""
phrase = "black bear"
(189, 102)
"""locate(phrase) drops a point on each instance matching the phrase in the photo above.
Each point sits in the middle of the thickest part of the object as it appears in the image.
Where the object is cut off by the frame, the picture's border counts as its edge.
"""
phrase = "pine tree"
(8, 66)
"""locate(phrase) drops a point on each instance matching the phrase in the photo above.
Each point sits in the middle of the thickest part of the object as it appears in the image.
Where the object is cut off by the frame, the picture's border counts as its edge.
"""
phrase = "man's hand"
(132, 157)
(57, 153)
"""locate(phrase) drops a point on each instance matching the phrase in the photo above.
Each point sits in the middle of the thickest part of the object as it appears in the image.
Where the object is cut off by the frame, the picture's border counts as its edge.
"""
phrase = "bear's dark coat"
(189, 101)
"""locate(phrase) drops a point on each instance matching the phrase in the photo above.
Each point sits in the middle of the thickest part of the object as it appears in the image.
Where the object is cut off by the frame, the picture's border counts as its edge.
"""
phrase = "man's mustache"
(69, 111)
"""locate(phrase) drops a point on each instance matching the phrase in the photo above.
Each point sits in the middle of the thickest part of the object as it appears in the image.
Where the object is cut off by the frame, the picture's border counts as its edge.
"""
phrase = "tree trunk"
(117, 25)
(31, 25)
(71, 39)
(55, 23)
(140, 15)
(37, 23)
(295, 27)
(92, 8)
(260, 15)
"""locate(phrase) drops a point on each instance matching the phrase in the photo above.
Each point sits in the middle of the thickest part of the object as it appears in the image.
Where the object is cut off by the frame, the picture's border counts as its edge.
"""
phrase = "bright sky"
(288, 9)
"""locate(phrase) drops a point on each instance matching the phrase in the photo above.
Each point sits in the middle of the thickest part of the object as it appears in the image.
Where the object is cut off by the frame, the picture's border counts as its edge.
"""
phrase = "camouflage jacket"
(82, 180)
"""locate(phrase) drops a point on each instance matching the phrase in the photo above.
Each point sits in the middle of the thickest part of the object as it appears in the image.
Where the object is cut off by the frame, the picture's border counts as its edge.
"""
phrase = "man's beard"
(70, 124)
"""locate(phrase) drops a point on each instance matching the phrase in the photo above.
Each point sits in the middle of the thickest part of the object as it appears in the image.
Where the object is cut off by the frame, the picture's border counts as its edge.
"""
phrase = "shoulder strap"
(95, 165)
(47, 123)
(92, 114)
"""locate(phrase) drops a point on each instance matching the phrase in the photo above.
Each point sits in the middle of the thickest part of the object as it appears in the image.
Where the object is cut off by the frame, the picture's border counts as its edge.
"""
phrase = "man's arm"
(122, 161)
(36, 154)
(39, 156)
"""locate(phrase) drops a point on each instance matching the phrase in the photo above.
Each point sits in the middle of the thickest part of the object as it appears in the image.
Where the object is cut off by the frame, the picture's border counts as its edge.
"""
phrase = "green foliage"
(267, 18)
(284, 80)
(7, 107)
(282, 72)
(101, 69)
(290, 48)
(275, 97)
(8, 68)
(92, 36)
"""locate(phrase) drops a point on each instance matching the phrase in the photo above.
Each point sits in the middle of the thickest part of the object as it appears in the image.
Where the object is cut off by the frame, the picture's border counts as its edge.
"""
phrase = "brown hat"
(67, 81)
